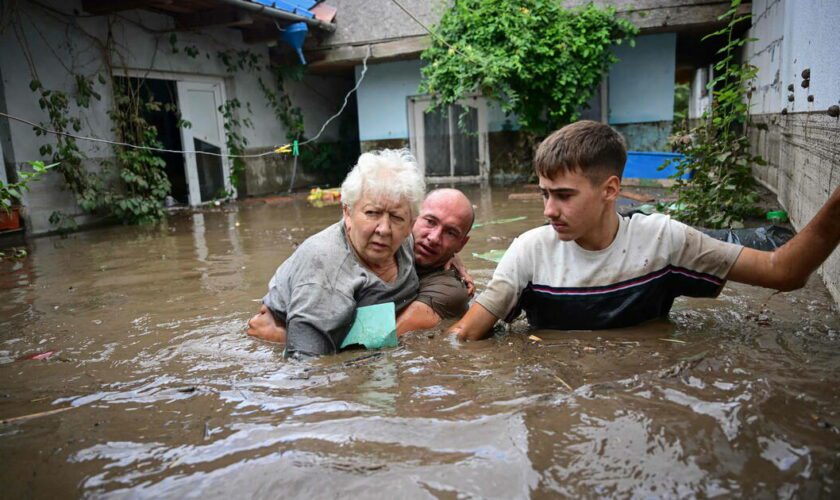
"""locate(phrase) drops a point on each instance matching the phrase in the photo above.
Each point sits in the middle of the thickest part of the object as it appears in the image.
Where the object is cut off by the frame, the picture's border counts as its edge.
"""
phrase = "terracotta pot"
(10, 220)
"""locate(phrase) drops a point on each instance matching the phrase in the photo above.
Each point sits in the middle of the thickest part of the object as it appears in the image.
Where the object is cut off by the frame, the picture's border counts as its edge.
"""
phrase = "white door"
(208, 175)
(450, 144)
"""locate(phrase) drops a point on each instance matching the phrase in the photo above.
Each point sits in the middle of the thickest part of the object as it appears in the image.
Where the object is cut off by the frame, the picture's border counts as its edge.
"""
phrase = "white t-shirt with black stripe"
(652, 260)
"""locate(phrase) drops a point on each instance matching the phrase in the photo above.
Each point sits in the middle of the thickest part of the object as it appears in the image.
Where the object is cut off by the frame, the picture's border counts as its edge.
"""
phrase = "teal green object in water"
(777, 216)
(493, 255)
(375, 327)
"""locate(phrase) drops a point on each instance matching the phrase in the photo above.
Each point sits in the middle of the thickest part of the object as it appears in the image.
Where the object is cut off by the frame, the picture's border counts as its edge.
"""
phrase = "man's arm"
(789, 267)
(475, 325)
(417, 316)
(263, 326)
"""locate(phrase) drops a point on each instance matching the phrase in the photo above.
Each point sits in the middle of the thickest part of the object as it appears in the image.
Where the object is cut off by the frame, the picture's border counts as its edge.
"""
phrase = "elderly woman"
(364, 259)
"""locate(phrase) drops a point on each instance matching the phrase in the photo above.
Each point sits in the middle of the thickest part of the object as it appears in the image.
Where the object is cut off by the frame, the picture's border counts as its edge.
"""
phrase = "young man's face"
(575, 207)
(441, 229)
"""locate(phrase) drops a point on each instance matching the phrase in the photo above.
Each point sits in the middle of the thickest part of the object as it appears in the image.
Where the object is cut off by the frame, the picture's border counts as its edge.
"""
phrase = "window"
(450, 143)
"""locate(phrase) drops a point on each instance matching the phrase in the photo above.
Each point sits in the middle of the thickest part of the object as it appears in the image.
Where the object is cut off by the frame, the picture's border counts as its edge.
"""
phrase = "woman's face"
(377, 228)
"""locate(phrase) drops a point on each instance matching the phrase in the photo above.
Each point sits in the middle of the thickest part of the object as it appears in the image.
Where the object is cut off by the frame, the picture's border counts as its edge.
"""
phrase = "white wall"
(792, 36)
(801, 146)
(60, 46)
(641, 83)
(382, 99)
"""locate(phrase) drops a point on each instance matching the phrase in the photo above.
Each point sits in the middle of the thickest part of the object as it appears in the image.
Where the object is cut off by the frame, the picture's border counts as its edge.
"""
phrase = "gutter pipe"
(279, 14)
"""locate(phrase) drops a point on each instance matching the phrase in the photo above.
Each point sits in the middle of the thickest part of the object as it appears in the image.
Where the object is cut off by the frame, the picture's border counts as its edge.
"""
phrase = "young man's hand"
(263, 326)
(475, 325)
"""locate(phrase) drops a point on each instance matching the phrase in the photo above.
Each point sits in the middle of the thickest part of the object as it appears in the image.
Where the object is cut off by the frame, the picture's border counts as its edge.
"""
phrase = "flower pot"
(10, 220)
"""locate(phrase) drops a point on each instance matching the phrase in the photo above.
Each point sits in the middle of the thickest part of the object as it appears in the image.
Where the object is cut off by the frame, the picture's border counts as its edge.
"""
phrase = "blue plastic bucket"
(645, 165)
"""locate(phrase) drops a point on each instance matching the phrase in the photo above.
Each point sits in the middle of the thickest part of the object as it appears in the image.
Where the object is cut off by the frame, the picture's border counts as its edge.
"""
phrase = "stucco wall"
(382, 99)
(62, 45)
(641, 83)
(802, 146)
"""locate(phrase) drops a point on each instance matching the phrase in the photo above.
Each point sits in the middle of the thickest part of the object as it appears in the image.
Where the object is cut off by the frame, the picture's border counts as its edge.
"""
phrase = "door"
(208, 175)
(450, 143)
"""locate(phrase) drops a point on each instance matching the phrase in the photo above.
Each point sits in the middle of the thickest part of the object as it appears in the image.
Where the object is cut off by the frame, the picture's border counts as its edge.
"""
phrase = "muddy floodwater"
(151, 387)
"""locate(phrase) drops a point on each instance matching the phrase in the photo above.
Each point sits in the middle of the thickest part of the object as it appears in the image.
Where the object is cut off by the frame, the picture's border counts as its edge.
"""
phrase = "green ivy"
(235, 141)
(142, 172)
(536, 58)
(721, 191)
(12, 193)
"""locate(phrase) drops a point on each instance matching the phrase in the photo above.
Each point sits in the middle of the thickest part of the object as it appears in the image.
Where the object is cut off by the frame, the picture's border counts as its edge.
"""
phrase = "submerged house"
(206, 67)
(636, 97)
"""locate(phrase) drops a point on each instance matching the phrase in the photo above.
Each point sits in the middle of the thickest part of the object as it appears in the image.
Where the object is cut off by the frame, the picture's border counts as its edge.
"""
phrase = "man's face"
(441, 229)
(574, 206)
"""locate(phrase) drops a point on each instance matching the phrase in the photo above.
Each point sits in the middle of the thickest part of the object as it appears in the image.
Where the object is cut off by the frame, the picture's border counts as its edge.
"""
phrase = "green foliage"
(65, 152)
(536, 58)
(722, 190)
(235, 141)
(289, 115)
(12, 193)
(13, 254)
(142, 172)
(682, 93)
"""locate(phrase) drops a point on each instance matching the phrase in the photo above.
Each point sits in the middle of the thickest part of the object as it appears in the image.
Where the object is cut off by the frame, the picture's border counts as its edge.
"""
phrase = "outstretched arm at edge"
(475, 325)
(789, 267)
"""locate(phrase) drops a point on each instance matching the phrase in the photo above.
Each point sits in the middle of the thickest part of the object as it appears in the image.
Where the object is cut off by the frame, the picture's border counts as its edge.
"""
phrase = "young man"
(440, 232)
(593, 269)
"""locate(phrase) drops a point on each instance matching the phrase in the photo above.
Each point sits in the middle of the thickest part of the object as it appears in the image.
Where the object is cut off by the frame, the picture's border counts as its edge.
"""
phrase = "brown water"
(164, 395)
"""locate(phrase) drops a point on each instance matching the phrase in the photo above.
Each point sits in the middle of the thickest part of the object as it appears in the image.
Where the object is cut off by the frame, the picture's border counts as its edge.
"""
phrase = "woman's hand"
(456, 263)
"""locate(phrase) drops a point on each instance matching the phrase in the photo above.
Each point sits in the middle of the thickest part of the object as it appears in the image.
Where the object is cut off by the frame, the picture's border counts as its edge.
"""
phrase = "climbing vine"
(721, 190)
(536, 58)
(143, 172)
(235, 141)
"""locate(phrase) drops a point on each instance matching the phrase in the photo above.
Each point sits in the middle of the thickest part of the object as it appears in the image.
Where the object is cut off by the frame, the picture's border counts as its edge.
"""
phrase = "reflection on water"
(164, 394)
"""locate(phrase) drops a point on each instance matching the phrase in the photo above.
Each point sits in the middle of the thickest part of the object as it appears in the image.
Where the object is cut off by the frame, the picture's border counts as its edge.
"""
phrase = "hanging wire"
(346, 98)
(286, 148)
(431, 31)
(281, 149)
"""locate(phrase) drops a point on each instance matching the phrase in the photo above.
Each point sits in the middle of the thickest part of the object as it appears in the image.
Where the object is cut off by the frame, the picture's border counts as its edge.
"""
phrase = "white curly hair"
(390, 174)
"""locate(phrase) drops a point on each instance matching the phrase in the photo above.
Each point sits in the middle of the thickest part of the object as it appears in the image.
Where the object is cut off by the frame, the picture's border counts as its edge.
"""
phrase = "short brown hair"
(594, 149)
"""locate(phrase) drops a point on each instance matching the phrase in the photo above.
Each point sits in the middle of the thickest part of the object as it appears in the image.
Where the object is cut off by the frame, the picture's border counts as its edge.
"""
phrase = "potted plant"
(11, 194)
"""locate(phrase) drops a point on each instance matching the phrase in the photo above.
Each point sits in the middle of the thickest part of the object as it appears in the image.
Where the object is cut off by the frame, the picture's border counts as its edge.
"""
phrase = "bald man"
(440, 232)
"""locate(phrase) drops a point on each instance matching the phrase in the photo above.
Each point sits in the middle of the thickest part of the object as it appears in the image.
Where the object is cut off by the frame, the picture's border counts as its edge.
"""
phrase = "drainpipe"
(279, 14)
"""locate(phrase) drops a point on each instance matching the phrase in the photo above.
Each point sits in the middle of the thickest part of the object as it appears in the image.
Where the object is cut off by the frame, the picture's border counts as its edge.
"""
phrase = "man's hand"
(456, 263)
(263, 326)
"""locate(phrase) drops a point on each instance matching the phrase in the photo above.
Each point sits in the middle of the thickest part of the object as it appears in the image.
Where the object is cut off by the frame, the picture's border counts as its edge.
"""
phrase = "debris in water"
(630, 195)
(492, 255)
(675, 341)
(39, 356)
(187, 390)
(23, 418)
(524, 196)
(499, 221)
(564, 383)
(534, 338)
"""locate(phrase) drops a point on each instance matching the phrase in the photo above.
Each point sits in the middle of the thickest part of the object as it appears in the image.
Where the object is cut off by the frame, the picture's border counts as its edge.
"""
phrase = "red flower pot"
(10, 220)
